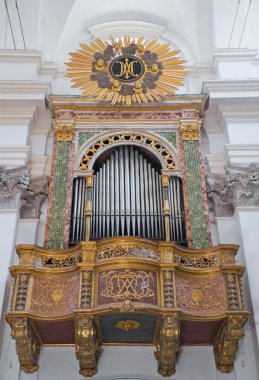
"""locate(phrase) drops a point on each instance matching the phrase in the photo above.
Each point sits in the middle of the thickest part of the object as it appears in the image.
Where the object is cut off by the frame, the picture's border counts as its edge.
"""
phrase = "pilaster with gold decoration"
(167, 346)
(194, 187)
(60, 194)
(87, 346)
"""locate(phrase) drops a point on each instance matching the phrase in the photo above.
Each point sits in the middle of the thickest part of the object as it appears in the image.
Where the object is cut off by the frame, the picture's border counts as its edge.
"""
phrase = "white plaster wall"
(124, 362)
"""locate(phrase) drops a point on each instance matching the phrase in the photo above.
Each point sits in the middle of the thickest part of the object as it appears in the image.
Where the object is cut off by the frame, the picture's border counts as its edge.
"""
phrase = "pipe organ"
(124, 280)
(127, 199)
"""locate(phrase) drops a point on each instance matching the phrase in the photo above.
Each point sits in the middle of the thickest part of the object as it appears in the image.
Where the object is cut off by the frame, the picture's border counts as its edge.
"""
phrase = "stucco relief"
(13, 182)
(239, 189)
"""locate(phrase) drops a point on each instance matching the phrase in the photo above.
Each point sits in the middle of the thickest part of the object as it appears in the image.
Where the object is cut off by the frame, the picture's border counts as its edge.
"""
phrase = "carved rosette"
(27, 345)
(87, 347)
(226, 345)
(168, 345)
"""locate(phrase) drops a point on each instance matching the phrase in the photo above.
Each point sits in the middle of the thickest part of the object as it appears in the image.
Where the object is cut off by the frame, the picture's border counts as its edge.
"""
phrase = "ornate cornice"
(240, 188)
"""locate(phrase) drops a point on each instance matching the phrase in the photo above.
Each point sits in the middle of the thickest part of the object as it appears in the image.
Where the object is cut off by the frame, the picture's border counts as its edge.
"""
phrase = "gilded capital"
(89, 180)
(64, 132)
(190, 132)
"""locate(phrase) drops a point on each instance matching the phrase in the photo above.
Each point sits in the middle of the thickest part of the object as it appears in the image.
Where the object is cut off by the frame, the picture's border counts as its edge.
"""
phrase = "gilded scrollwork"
(167, 346)
(87, 346)
(127, 251)
(130, 137)
(200, 296)
(226, 345)
(27, 345)
(128, 325)
(127, 284)
(57, 262)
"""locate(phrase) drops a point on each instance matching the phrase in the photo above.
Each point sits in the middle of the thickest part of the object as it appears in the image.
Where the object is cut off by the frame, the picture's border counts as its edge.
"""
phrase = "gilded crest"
(126, 70)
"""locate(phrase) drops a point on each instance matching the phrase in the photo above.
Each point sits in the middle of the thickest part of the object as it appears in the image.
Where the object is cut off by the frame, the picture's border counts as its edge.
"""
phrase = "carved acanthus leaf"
(239, 189)
(12, 184)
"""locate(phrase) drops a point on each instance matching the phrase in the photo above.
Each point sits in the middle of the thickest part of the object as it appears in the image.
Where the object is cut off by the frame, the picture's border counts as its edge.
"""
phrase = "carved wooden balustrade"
(127, 291)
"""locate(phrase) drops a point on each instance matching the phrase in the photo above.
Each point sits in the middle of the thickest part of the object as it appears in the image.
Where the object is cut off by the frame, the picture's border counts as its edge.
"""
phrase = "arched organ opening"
(127, 198)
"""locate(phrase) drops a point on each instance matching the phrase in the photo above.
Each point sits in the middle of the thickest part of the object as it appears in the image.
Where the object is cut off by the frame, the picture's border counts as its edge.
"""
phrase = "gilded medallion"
(126, 70)
(128, 325)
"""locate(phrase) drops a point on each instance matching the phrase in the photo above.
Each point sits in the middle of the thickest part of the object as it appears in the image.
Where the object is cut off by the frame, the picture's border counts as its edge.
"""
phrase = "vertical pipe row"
(127, 200)
(177, 231)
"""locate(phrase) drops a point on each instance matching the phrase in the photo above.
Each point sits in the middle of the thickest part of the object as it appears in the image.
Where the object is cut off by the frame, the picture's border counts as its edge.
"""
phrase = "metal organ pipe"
(126, 197)
(127, 200)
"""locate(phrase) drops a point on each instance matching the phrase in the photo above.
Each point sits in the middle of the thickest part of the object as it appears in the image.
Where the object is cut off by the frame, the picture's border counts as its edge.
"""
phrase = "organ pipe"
(127, 200)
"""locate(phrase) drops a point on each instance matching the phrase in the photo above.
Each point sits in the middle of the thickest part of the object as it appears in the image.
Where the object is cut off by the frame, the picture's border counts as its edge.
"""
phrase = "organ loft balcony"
(127, 291)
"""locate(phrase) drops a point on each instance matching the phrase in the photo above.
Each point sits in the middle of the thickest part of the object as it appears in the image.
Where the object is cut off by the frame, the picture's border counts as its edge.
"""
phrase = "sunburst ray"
(89, 69)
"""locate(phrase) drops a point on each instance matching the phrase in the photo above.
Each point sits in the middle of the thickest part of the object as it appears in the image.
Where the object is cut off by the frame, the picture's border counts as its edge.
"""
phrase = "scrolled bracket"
(87, 346)
(27, 344)
(167, 346)
(226, 344)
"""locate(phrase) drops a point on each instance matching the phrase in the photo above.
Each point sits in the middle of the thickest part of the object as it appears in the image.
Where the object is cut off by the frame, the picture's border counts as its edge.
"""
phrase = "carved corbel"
(226, 344)
(87, 347)
(27, 345)
(168, 345)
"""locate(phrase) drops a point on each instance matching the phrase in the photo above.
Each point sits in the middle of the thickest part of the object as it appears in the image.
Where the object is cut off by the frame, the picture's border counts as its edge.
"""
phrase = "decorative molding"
(33, 198)
(132, 28)
(87, 347)
(168, 345)
(13, 182)
(239, 189)
(226, 345)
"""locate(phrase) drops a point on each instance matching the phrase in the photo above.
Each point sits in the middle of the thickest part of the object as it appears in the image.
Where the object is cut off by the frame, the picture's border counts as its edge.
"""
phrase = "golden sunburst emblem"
(126, 70)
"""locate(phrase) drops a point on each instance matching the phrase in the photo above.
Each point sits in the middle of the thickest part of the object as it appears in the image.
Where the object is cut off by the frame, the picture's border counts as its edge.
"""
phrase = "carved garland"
(137, 138)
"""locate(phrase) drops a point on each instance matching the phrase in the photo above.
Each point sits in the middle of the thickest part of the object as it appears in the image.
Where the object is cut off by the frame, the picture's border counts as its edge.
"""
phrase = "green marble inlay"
(59, 196)
(195, 195)
(170, 136)
(84, 136)
(111, 334)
